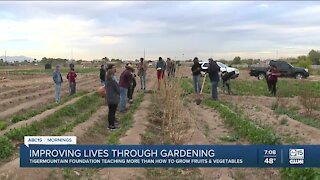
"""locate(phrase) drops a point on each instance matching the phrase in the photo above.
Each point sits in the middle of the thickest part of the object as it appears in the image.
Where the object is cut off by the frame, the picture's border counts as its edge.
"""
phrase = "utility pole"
(277, 54)
(5, 55)
(71, 54)
(144, 54)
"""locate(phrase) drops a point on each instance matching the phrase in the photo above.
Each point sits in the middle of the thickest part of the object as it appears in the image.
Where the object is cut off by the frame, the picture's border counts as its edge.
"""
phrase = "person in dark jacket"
(102, 75)
(213, 72)
(273, 79)
(132, 86)
(71, 76)
(196, 73)
(226, 77)
(112, 98)
(57, 78)
(124, 83)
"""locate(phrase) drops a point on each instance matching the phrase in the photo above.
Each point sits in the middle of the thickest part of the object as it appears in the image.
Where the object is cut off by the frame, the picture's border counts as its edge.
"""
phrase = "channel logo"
(296, 156)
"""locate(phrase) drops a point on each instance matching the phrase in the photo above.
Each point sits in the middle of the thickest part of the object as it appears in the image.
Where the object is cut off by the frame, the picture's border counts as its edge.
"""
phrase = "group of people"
(58, 80)
(213, 72)
(162, 67)
(119, 92)
(122, 90)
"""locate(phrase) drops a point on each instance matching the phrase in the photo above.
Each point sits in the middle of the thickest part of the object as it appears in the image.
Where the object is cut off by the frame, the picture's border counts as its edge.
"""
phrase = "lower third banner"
(100, 156)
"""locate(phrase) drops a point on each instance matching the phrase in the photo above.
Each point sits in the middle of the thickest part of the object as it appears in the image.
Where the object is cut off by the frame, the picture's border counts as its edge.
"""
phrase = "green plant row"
(125, 121)
(258, 135)
(50, 71)
(296, 116)
(285, 87)
(186, 86)
(34, 112)
(57, 119)
(244, 127)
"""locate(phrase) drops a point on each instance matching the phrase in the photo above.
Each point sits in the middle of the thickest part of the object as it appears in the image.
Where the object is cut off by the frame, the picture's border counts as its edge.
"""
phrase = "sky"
(177, 29)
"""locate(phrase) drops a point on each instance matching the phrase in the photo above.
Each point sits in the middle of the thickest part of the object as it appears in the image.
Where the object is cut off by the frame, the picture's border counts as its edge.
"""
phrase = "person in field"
(173, 69)
(169, 66)
(142, 70)
(114, 69)
(226, 77)
(132, 85)
(273, 79)
(267, 79)
(57, 78)
(196, 73)
(213, 72)
(71, 76)
(102, 75)
(161, 68)
(112, 99)
(125, 81)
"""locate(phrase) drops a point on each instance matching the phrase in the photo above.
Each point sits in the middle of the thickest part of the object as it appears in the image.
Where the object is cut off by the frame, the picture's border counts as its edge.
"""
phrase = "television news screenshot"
(159, 90)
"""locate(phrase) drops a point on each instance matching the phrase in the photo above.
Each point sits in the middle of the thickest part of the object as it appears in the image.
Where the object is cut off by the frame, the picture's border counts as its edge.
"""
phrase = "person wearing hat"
(161, 68)
(213, 72)
(124, 83)
(196, 73)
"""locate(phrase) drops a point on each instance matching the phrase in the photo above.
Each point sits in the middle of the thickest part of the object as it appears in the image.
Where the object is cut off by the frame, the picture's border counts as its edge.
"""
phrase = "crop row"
(58, 123)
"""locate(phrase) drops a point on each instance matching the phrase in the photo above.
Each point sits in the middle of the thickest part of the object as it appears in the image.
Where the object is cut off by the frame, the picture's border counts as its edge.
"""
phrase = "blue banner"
(100, 156)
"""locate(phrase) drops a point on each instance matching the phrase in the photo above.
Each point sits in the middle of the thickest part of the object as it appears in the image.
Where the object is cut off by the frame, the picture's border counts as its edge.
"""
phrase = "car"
(223, 68)
(286, 70)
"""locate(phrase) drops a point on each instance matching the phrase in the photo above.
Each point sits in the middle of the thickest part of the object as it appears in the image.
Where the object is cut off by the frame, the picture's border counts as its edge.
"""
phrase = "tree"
(236, 60)
(314, 56)
(303, 61)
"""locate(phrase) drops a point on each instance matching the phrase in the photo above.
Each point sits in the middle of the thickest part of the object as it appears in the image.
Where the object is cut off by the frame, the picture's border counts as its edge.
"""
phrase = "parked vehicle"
(286, 70)
(223, 68)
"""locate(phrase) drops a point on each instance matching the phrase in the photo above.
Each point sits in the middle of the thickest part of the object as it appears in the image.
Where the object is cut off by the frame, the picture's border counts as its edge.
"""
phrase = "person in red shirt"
(273, 79)
(72, 75)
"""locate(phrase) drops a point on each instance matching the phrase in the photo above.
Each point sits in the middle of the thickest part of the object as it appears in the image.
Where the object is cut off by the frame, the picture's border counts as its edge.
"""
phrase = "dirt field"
(284, 116)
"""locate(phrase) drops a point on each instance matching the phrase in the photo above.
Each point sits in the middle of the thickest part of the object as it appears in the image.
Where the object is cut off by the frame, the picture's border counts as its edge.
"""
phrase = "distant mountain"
(16, 58)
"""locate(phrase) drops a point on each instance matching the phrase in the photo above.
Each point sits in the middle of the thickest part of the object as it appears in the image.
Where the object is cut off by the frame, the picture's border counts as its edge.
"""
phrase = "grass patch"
(285, 87)
(230, 138)
(3, 125)
(34, 112)
(125, 121)
(6, 148)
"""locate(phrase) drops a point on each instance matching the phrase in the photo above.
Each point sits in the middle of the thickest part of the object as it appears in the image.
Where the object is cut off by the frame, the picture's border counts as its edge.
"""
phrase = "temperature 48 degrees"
(269, 160)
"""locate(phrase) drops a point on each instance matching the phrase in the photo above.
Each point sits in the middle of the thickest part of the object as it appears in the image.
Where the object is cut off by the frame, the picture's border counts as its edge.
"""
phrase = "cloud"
(122, 29)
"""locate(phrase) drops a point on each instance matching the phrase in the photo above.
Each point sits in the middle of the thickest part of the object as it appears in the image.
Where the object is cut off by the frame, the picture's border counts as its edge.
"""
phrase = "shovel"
(198, 101)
